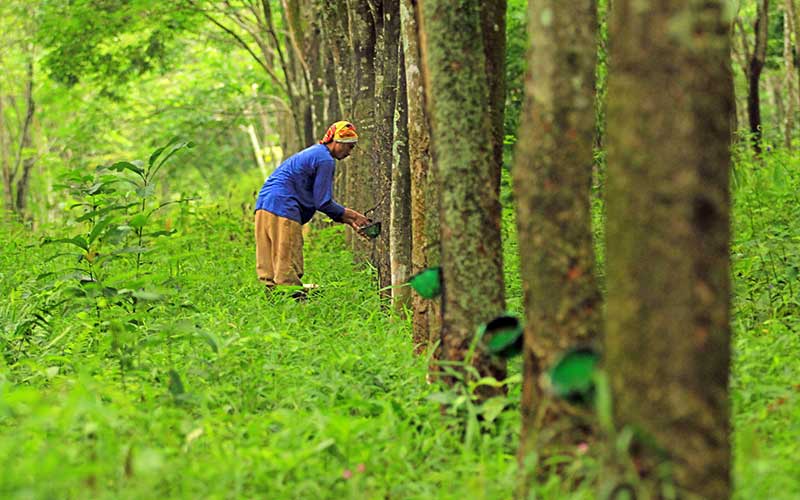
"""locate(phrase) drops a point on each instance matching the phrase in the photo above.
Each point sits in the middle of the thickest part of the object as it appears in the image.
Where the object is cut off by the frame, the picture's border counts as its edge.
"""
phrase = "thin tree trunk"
(795, 34)
(365, 158)
(756, 64)
(5, 157)
(258, 153)
(790, 78)
(336, 31)
(24, 159)
(400, 229)
(493, 26)
(424, 187)
(387, 25)
(741, 54)
(458, 101)
(668, 285)
(552, 184)
(775, 92)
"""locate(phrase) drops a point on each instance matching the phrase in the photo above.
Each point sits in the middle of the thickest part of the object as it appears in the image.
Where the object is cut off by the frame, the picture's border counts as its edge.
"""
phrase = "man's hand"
(354, 219)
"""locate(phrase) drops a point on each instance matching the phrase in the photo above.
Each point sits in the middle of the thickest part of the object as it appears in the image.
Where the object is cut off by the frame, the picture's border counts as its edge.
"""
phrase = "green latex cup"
(372, 230)
(572, 377)
(504, 336)
(427, 283)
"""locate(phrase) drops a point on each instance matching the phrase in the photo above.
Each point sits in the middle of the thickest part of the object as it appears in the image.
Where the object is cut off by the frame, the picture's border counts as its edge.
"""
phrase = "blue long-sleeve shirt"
(301, 185)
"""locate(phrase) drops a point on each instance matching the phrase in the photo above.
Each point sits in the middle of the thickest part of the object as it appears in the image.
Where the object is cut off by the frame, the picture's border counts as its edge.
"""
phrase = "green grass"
(292, 397)
(221, 392)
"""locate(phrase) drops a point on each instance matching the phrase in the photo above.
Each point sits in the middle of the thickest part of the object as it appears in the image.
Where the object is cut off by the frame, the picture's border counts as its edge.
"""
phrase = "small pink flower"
(583, 448)
(361, 467)
(347, 473)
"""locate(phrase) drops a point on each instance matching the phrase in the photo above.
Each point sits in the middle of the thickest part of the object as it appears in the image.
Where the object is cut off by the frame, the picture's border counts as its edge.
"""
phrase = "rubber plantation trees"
(461, 112)
(552, 174)
(668, 285)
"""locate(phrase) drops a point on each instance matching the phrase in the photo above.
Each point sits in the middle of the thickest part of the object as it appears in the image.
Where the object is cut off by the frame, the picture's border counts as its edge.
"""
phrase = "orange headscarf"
(342, 131)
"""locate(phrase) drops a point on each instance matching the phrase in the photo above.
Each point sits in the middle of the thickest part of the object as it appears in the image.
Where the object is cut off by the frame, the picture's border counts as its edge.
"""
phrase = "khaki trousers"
(279, 249)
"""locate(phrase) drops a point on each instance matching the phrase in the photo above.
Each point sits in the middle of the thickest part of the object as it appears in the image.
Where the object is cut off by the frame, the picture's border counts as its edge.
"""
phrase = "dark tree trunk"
(755, 65)
(458, 100)
(387, 25)
(364, 161)
(493, 26)
(552, 183)
(24, 160)
(340, 77)
(5, 156)
(668, 284)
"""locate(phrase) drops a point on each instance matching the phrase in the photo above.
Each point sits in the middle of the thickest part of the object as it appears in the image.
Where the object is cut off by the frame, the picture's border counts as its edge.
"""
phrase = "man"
(299, 187)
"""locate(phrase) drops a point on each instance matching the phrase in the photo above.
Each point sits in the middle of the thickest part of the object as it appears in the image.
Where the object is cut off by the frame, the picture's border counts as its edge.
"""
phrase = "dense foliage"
(139, 358)
(210, 388)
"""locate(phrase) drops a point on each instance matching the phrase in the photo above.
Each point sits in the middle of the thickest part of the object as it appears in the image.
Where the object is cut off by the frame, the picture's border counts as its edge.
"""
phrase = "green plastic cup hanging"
(372, 230)
(427, 283)
(503, 336)
(572, 377)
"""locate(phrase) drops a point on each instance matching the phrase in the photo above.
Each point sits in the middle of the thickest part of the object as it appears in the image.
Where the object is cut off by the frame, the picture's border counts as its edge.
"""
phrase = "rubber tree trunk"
(400, 228)
(493, 26)
(458, 101)
(668, 282)
(790, 78)
(755, 66)
(24, 160)
(5, 156)
(552, 186)
(424, 185)
(386, 14)
(334, 24)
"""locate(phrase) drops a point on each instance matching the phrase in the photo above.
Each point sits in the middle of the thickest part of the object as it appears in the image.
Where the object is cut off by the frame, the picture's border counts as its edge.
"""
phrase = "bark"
(790, 78)
(755, 65)
(301, 46)
(24, 159)
(364, 159)
(552, 180)
(795, 35)
(424, 192)
(458, 102)
(493, 26)
(340, 77)
(775, 93)
(258, 153)
(668, 289)
(5, 160)
(387, 25)
(400, 228)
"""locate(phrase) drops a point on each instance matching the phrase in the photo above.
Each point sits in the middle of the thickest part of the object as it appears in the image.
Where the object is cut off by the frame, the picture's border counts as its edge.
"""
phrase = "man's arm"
(323, 192)
(354, 219)
(323, 199)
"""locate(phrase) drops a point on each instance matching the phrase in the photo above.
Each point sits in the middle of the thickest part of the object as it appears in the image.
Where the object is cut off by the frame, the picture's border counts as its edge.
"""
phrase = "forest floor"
(225, 393)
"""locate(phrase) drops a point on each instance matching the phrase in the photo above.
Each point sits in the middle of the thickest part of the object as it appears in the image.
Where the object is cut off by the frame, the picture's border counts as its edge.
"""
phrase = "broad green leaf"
(98, 228)
(146, 191)
(138, 220)
(492, 408)
(145, 295)
(124, 165)
(78, 241)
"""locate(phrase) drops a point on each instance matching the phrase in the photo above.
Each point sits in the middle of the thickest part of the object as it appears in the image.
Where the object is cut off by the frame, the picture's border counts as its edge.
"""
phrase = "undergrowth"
(186, 381)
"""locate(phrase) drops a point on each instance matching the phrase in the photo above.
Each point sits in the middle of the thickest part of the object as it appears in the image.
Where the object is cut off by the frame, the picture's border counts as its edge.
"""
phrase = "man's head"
(340, 139)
